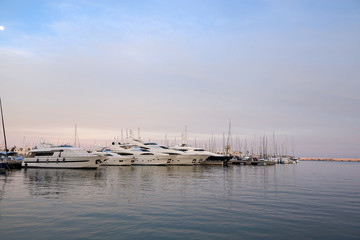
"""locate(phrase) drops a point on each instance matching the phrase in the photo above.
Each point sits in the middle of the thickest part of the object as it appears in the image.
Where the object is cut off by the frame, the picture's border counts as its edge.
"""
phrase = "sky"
(284, 68)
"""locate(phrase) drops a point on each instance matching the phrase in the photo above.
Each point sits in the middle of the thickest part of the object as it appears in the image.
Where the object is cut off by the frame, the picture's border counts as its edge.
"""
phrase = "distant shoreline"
(331, 159)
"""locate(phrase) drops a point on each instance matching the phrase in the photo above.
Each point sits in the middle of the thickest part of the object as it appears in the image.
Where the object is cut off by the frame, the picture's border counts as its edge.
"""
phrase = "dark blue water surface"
(309, 200)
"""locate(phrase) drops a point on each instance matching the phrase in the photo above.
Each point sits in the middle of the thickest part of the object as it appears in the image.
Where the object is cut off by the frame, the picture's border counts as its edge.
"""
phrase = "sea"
(308, 200)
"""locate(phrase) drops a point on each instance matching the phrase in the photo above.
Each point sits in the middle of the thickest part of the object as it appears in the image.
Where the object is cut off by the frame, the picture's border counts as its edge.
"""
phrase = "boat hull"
(216, 160)
(117, 162)
(182, 160)
(151, 160)
(71, 162)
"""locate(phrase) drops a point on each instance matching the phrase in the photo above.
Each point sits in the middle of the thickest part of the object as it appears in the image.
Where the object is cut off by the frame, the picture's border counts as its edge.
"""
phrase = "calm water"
(310, 200)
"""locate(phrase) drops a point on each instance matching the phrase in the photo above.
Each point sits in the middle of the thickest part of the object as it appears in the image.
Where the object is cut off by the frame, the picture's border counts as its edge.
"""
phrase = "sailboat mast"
(75, 137)
(3, 125)
(186, 135)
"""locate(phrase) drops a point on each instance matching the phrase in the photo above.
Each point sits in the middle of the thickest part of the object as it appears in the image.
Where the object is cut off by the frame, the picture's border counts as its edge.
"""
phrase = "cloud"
(2, 28)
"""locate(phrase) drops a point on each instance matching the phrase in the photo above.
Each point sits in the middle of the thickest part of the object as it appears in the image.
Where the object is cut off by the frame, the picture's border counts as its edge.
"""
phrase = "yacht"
(109, 158)
(177, 157)
(200, 155)
(142, 156)
(174, 157)
(63, 156)
(204, 157)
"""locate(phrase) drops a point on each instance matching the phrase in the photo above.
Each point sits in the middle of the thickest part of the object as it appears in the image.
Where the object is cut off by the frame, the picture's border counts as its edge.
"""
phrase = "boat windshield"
(30, 154)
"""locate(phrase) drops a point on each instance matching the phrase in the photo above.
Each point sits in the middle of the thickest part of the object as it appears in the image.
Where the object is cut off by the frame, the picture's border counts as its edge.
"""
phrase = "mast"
(186, 136)
(224, 143)
(3, 125)
(122, 136)
(75, 136)
(274, 146)
(227, 147)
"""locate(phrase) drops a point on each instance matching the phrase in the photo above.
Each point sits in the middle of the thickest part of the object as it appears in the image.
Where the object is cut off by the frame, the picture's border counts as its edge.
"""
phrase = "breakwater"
(331, 159)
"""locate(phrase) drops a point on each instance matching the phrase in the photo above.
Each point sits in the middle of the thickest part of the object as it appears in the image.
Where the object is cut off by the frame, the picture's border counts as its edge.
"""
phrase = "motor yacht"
(63, 156)
(177, 157)
(203, 156)
(174, 157)
(142, 156)
(109, 158)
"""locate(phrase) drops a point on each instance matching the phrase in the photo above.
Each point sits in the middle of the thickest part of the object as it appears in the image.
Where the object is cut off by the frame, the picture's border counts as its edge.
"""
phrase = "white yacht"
(177, 157)
(174, 157)
(199, 156)
(109, 158)
(203, 156)
(142, 156)
(64, 156)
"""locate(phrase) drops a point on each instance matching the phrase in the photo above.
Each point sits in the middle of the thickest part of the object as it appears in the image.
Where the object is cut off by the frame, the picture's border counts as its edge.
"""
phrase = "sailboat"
(8, 159)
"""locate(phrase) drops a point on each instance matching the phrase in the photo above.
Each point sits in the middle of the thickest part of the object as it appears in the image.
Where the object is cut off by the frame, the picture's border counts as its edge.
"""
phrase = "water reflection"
(177, 202)
(2, 186)
(6, 180)
(138, 182)
(51, 183)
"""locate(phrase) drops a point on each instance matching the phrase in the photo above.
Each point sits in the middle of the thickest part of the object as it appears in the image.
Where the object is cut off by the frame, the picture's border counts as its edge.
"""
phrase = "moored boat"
(177, 157)
(142, 156)
(64, 156)
(202, 156)
(109, 158)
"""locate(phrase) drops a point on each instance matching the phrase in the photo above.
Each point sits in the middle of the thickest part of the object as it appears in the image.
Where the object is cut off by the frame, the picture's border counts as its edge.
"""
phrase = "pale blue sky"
(291, 67)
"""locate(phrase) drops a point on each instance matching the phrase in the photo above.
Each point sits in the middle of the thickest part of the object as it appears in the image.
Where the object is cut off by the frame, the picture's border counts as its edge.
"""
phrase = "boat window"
(155, 147)
(170, 153)
(9, 154)
(199, 150)
(183, 150)
(147, 153)
(125, 154)
(44, 153)
(164, 147)
(65, 145)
